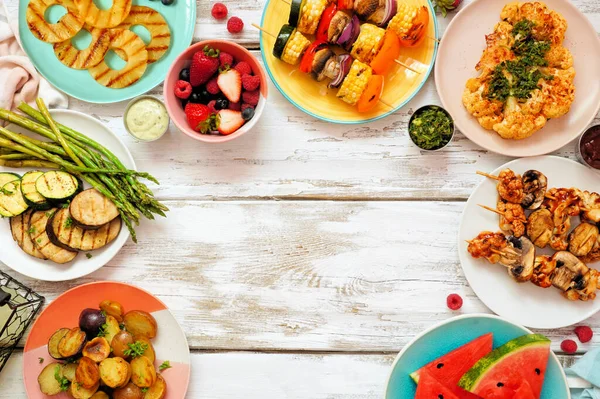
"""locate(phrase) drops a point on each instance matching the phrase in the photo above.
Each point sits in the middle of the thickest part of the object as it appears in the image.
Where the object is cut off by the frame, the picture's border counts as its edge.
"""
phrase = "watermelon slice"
(524, 358)
(449, 368)
(430, 388)
(515, 388)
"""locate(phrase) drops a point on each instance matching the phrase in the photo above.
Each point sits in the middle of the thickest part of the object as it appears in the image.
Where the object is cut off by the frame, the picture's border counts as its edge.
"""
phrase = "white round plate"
(526, 303)
(461, 48)
(12, 256)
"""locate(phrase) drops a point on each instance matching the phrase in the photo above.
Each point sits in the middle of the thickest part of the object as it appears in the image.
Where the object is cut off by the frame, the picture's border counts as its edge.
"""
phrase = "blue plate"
(181, 17)
(456, 332)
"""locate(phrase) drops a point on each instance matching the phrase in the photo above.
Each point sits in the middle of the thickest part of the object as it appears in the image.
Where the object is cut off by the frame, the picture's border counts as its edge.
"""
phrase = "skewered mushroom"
(588, 292)
(563, 203)
(535, 185)
(519, 258)
(542, 271)
(540, 227)
(594, 254)
(582, 239)
(591, 201)
(569, 273)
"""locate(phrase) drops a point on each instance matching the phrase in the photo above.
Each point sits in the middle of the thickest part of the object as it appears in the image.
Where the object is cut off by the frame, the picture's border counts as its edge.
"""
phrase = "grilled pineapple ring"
(108, 18)
(156, 25)
(136, 56)
(86, 58)
(66, 27)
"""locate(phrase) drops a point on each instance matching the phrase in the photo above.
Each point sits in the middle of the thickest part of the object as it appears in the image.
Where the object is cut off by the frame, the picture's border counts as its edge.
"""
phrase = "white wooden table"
(301, 257)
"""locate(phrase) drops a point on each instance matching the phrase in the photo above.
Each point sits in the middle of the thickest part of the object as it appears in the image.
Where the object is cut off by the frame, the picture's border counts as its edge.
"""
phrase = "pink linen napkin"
(19, 80)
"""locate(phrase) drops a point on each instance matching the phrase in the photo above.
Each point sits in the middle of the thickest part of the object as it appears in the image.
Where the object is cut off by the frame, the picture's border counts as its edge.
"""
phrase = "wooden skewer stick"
(406, 66)
(497, 252)
(487, 175)
(497, 211)
(386, 104)
(468, 242)
(260, 28)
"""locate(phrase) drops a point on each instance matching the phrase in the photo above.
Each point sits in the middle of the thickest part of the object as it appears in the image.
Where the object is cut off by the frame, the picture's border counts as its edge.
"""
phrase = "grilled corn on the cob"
(310, 15)
(368, 43)
(403, 20)
(294, 48)
(355, 82)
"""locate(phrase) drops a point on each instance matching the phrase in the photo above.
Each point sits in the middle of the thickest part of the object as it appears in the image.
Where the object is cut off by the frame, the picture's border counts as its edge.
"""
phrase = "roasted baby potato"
(72, 343)
(120, 343)
(91, 320)
(69, 371)
(111, 328)
(143, 373)
(149, 352)
(49, 385)
(97, 349)
(54, 341)
(87, 374)
(129, 391)
(78, 391)
(138, 322)
(112, 308)
(115, 372)
(100, 395)
(158, 390)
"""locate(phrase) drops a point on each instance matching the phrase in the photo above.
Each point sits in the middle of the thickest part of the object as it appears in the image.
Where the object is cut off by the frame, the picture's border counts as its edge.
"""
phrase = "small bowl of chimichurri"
(431, 128)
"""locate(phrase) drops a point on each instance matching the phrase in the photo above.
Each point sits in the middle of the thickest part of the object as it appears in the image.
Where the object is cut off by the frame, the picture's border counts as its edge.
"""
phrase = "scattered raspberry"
(235, 25)
(226, 60)
(219, 11)
(244, 106)
(584, 333)
(183, 89)
(212, 87)
(243, 68)
(211, 106)
(454, 301)
(251, 97)
(235, 106)
(568, 346)
(250, 82)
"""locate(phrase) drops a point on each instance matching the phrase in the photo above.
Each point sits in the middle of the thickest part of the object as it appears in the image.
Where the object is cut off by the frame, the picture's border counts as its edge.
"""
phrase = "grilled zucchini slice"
(32, 197)
(91, 210)
(7, 177)
(12, 202)
(282, 39)
(58, 185)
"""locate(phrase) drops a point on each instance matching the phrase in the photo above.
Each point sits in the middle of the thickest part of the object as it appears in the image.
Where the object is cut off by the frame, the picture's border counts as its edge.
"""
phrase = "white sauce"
(147, 119)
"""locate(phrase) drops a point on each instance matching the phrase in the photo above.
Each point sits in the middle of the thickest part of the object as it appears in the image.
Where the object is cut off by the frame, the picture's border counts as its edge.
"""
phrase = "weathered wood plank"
(299, 275)
(233, 375)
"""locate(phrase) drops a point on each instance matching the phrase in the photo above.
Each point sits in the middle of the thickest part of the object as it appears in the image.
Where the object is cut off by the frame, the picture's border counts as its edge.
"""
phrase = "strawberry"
(250, 82)
(230, 83)
(230, 121)
(204, 65)
(200, 118)
(211, 106)
(444, 6)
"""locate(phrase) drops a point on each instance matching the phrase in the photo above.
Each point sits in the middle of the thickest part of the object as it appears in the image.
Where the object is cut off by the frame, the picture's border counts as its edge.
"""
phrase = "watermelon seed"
(440, 396)
(499, 385)
(440, 365)
(538, 371)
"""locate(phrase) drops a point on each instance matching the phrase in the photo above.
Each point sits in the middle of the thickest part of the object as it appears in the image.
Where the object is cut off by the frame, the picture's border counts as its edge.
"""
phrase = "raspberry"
(568, 346)
(584, 333)
(243, 68)
(211, 106)
(219, 11)
(454, 301)
(250, 82)
(251, 97)
(244, 106)
(183, 89)
(212, 87)
(235, 106)
(226, 59)
(235, 25)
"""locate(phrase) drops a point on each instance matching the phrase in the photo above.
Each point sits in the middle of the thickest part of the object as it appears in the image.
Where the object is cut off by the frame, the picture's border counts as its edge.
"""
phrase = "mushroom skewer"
(540, 227)
(528, 190)
(510, 185)
(591, 209)
(512, 217)
(565, 203)
(582, 239)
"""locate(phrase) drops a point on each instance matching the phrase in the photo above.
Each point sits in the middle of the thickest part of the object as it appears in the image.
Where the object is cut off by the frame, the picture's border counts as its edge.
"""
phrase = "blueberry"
(196, 98)
(183, 102)
(185, 74)
(248, 113)
(167, 2)
(205, 96)
(222, 103)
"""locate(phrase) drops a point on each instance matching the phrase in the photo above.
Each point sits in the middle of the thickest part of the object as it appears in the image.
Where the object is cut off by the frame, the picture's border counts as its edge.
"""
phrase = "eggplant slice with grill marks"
(91, 210)
(64, 233)
(40, 239)
(19, 227)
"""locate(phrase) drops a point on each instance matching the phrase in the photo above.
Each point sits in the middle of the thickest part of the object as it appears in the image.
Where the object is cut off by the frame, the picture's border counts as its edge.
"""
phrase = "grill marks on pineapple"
(67, 27)
(157, 26)
(104, 18)
(86, 58)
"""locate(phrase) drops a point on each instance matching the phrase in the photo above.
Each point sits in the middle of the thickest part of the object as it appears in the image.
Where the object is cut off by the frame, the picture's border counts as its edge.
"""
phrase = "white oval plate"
(461, 48)
(525, 304)
(12, 256)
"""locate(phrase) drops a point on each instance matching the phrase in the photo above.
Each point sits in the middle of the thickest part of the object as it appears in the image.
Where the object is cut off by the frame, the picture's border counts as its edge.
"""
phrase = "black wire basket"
(18, 307)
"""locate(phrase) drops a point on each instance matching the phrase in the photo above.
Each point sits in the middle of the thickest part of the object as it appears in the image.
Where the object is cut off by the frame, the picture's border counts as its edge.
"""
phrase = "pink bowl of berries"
(215, 91)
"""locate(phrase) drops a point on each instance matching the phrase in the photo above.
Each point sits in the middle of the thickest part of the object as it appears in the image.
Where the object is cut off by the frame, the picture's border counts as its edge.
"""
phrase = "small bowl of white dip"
(146, 118)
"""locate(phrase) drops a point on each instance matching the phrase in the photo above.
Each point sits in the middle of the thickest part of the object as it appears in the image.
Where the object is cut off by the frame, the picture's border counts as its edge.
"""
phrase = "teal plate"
(181, 17)
(456, 332)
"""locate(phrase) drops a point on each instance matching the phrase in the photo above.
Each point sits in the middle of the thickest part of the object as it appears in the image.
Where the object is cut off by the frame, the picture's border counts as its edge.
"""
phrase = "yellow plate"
(317, 100)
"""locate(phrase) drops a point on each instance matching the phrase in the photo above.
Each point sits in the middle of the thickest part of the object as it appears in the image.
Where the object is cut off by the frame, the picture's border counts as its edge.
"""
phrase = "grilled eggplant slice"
(32, 197)
(54, 341)
(97, 349)
(58, 185)
(63, 232)
(49, 384)
(12, 202)
(72, 343)
(37, 232)
(19, 227)
(92, 210)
